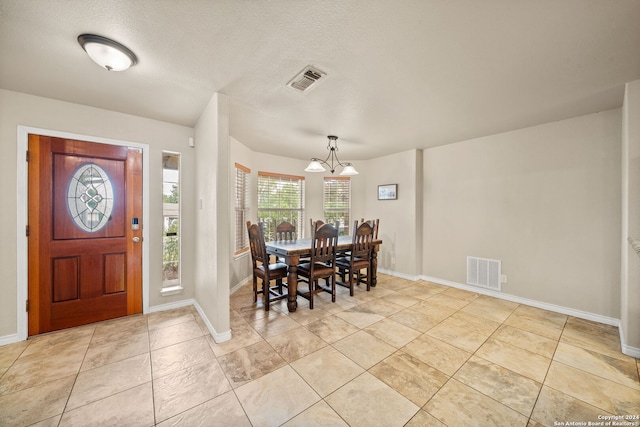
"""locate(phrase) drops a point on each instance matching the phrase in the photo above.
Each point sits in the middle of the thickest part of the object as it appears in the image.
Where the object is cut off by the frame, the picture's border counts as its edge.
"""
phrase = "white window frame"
(328, 195)
(241, 240)
(294, 215)
(172, 286)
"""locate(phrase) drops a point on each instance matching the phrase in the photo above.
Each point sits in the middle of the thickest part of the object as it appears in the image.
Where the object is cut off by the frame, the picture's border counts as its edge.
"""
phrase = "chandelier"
(332, 146)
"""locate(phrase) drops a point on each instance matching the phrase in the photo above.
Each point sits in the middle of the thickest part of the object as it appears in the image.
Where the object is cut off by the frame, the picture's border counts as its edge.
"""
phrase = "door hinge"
(27, 156)
(27, 306)
(27, 231)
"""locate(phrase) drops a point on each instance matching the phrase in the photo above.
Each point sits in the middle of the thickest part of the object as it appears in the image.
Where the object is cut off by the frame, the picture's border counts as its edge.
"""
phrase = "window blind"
(242, 208)
(337, 202)
(280, 198)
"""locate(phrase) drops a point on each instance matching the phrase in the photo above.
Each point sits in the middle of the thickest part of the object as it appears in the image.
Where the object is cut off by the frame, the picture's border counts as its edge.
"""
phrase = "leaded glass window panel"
(90, 197)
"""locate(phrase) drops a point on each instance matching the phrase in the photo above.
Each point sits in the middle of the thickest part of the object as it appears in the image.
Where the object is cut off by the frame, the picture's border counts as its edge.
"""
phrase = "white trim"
(171, 290)
(9, 339)
(217, 337)
(239, 285)
(244, 253)
(543, 305)
(627, 349)
(172, 305)
(173, 287)
(22, 216)
(401, 275)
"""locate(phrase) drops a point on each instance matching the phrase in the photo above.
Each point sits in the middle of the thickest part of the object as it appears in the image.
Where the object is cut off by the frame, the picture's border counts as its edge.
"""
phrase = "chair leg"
(368, 279)
(351, 274)
(333, 289)
(255, 289)
(265, 295)
(312, 288)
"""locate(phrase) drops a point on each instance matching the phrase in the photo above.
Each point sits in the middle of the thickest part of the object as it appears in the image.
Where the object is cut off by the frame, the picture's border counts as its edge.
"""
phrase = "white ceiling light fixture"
(107, 53)
(316, 164)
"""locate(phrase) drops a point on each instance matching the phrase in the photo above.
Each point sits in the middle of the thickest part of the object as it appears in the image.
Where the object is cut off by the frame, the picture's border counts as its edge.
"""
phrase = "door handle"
(136, 239)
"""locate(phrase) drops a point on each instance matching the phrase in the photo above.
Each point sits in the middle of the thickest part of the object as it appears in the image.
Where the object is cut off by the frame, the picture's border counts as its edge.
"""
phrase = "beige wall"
(213, 225)
(399, 226)
(630, 273)
(544, 200)
(43, 113)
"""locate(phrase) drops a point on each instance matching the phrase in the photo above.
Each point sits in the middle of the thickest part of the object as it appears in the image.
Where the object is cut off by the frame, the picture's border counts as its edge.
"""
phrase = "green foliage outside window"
(280, 199)
(171, 242)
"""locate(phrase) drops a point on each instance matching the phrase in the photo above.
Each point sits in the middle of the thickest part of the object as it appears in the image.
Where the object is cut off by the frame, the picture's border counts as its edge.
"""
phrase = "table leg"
(292, 284)
(374, 265)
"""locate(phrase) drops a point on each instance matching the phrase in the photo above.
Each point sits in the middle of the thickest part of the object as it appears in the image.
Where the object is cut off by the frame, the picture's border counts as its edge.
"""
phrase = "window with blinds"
(337, 202)
(280, 198)
(242, 208)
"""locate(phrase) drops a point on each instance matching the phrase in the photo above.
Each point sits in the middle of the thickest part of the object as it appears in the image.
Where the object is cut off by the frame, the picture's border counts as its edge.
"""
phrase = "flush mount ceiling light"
(107, 53)
(316, 164)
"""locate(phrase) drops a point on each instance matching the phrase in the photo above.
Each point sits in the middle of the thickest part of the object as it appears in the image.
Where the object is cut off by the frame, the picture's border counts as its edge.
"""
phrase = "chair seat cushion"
(276, 269)
(319, 270)
(358, 263)
(277, 266)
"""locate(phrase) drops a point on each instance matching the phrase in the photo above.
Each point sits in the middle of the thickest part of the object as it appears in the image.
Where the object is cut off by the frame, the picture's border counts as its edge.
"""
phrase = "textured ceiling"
(401, 74)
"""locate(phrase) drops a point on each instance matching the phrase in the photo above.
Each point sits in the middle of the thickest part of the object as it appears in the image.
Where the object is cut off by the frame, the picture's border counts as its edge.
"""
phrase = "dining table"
(291, 251)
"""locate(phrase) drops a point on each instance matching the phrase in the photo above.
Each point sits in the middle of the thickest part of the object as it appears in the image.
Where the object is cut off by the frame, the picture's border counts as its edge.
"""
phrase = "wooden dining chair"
(285, 231)
(321, 265)
(359, 258)
(315, 224)
(374, 223)
(264, 270)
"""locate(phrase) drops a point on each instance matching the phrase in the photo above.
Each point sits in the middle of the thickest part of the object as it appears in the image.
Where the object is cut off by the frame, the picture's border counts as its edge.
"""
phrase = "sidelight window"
(171, 220)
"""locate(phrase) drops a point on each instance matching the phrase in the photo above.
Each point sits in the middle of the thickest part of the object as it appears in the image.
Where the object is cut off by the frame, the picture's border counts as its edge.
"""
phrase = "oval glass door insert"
(90, 197)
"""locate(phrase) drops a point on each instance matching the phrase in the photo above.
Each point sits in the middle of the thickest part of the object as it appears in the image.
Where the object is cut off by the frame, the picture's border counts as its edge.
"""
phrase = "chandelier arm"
(333, 155)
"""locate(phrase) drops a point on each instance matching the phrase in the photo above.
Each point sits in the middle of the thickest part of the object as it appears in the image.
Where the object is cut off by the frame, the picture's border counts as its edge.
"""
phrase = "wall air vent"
(306, 79)
(483, 272)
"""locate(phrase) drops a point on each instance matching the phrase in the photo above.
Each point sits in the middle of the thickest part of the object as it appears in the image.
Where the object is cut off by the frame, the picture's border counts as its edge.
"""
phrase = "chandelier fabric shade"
(332, 146)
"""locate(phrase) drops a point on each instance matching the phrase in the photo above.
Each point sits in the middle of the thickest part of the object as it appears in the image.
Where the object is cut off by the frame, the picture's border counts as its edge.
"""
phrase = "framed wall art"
(388, 192)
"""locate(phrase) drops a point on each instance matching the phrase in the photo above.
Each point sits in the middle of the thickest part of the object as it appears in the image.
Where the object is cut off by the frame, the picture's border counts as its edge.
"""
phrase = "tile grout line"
(153, 394)
(464, 363)
(75, 380)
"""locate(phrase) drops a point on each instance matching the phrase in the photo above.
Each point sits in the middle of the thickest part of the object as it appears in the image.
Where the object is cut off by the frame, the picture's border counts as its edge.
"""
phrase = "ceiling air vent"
(306, 79)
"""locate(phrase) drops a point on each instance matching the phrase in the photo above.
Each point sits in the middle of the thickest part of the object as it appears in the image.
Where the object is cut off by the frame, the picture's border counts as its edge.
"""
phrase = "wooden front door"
(85, 232)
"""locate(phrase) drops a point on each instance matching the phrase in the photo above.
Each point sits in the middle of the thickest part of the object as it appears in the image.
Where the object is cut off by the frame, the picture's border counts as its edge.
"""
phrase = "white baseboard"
(401, 275)
(626, 349)
(526, 301)
(239, 285)
(172, 305)
(9, 339)
(217, 336)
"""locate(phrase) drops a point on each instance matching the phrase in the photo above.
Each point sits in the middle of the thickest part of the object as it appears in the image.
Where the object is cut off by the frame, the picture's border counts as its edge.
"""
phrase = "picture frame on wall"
(388, 192)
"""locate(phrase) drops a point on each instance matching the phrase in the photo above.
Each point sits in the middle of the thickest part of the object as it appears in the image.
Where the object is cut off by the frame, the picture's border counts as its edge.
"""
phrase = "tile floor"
(406, 353)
